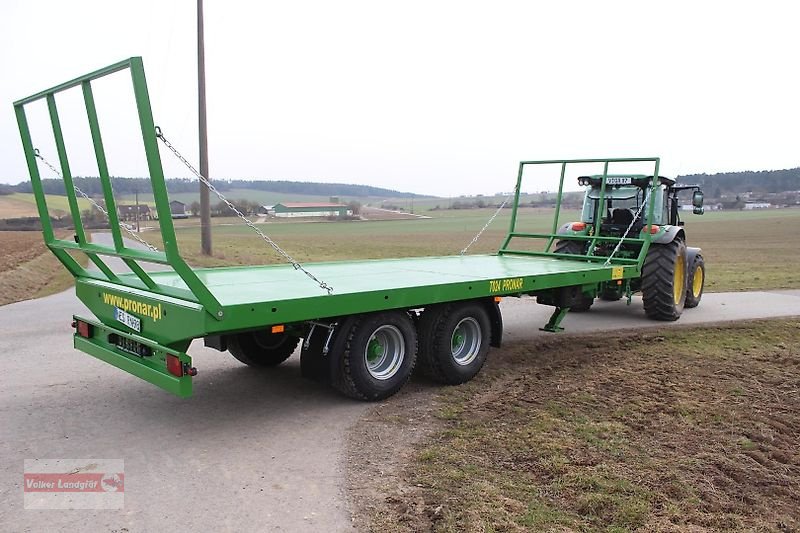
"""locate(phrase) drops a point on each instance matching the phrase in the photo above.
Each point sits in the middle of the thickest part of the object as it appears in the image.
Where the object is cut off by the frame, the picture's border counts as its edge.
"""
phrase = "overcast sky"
(432, 97)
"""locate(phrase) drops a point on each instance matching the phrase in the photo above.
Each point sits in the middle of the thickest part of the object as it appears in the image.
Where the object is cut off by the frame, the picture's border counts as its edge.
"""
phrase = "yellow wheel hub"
(678, 284)
(697, 282)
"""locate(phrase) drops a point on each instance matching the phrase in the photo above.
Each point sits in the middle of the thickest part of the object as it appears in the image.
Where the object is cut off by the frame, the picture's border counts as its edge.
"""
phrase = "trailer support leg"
(553, 325)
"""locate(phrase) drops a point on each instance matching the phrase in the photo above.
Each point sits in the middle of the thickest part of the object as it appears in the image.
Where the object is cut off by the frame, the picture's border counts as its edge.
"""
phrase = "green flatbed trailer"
(363, 336)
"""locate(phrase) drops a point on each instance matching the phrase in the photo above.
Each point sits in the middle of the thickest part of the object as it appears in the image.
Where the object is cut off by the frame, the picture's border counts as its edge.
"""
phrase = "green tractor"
(673, 274)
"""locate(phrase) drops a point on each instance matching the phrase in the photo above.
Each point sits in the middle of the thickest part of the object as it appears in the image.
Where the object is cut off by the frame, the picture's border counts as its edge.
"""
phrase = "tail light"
(83, 329)
(578, 226)
(174, 365)
(179, 369)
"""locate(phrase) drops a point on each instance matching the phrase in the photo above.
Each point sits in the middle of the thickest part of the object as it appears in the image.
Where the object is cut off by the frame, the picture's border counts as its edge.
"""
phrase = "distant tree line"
(733, 183)
(129, 186)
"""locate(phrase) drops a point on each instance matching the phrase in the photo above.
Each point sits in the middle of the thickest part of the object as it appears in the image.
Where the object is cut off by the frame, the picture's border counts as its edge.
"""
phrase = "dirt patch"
(689, 429)
(28, 269)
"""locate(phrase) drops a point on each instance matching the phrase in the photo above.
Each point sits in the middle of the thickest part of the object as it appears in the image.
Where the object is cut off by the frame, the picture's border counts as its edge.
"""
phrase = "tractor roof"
(617, 180)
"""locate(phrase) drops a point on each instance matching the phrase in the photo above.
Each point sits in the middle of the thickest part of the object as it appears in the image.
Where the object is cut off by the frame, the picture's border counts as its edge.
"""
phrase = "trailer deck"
(276, 283)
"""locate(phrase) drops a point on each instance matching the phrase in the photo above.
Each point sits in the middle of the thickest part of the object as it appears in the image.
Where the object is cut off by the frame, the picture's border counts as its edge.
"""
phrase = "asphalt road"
(252, 450)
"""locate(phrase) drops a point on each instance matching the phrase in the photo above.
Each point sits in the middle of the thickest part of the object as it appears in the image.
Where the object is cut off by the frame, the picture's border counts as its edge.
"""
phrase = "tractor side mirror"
(697, 202)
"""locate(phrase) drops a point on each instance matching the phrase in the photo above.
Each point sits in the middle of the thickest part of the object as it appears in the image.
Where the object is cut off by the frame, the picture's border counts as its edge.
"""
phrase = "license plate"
(618, 180)
(128, 319)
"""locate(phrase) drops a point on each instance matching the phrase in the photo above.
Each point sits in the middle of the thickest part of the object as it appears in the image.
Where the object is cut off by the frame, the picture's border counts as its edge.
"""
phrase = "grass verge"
(679, 429)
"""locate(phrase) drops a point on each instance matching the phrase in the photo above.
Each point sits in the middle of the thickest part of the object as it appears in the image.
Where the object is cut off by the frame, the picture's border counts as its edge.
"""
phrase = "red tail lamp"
(84, 329)
(578, 226)
(174, 365)
(179, 369)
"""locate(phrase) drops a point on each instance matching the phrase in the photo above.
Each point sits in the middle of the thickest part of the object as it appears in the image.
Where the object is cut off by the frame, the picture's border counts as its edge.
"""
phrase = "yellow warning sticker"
(616, 273)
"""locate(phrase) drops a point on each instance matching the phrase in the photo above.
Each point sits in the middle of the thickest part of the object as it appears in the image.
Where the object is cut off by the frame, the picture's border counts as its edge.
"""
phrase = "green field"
(24, 204)
(744, 250)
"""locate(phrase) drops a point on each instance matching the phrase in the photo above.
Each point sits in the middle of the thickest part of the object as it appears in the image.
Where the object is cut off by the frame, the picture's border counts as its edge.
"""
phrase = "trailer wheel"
(575, 248)
(664, 280)
(262, 348)
(697, 281)
(453, 342)
(379, 355)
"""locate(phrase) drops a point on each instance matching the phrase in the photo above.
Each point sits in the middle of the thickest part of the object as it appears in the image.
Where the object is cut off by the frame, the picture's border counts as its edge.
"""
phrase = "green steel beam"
(102, 165)
(33, 170)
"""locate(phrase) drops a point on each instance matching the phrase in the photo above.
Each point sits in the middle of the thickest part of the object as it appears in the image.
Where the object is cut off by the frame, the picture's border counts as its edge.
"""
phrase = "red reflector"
(578, 226)
(84, 329)
(174, 365)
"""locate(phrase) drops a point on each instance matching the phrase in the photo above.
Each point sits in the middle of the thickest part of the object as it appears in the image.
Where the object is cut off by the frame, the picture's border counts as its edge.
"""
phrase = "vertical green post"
(598, 218)
(66, 173)
(558, 206)
(514, 208)
(102, 165)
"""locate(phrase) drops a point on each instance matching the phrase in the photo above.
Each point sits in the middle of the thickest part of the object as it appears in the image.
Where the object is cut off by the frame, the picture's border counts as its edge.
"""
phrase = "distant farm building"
(757, 205)
(178, 209)
(128, 212)
(306, 209)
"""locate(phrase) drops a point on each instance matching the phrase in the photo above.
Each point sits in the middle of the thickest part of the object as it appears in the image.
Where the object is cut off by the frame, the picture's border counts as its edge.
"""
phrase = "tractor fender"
(565, 229)
(669, 234)
(691, 253)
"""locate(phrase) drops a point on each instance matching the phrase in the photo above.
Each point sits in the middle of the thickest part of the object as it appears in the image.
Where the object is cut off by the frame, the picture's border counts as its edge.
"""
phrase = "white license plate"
(618, 180)
(127, 319)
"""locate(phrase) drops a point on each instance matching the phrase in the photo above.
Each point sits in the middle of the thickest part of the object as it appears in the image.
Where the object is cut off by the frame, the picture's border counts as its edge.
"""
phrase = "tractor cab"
(626, 202)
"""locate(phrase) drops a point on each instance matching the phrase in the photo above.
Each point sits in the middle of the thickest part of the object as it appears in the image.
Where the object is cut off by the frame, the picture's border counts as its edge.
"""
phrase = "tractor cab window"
(622, 203)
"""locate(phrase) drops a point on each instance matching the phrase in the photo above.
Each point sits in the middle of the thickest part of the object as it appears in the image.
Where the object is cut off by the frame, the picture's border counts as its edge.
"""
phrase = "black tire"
(262, 348)
(697, 272)
(454, 341)
(610, 295)
(379, 354)
(664, 280)
(575, 248)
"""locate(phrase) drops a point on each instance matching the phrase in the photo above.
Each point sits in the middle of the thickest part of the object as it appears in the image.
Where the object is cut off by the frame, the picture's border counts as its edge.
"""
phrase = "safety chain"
(478, 235)
(207, 183)
(624, 235)
(91, 200)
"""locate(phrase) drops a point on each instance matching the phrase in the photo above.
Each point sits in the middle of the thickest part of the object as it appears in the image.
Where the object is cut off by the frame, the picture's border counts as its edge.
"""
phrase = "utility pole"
(205, 206)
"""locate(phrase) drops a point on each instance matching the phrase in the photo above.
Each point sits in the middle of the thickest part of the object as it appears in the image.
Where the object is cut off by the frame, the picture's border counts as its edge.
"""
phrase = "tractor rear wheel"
(262, 348)
(664, 280)
(697, 281)
(575, 248)
(453, 341)
(378, 356)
